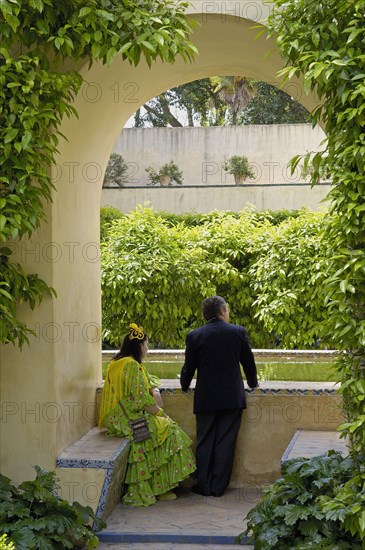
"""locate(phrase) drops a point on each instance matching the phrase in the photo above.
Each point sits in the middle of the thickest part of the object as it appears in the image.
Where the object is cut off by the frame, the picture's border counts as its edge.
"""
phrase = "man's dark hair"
(213, 306)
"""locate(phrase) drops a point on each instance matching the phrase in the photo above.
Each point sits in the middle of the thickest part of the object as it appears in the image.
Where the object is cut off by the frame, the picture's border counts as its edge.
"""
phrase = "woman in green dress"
(158, 464)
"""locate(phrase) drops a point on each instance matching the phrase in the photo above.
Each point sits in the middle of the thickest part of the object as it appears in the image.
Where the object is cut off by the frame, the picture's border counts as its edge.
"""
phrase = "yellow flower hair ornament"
(136, 332)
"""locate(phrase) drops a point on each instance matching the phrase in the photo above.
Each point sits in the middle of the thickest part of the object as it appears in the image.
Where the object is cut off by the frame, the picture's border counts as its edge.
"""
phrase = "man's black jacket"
(215, 352)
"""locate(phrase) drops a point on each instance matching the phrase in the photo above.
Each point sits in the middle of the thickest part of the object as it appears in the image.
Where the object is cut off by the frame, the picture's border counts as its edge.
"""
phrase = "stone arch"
(48, 389)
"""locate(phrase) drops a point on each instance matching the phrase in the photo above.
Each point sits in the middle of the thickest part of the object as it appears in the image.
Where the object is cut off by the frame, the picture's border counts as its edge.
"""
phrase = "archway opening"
(63, 360)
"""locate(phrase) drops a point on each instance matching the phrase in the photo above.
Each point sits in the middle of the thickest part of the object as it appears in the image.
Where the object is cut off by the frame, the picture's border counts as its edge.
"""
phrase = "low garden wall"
(179, 200)
(200, 152)
(274, 412)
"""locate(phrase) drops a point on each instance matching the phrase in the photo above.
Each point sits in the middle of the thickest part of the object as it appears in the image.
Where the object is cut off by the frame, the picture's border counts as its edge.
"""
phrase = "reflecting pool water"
(290, 370)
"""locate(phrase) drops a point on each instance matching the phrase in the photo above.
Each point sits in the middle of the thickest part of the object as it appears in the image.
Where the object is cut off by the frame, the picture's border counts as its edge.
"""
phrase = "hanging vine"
(323, 42)
(36, 93)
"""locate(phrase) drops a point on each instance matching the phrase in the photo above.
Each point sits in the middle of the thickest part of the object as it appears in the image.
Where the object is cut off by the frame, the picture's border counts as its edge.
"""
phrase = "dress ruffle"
(154, 470)
(155, 465)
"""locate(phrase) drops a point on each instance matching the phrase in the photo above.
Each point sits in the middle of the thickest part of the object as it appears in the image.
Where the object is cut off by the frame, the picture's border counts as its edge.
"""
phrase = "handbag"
(139, 427)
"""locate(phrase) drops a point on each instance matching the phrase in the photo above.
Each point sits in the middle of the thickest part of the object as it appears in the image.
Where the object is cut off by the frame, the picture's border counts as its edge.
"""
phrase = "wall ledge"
(270, 387)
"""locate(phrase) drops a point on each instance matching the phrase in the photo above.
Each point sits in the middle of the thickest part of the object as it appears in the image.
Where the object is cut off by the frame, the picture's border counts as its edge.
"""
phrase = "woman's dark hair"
(131, 348)
(212, 307)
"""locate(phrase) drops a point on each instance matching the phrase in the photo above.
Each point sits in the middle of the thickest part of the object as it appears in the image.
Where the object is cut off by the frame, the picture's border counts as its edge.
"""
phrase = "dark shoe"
(217, 494)
(199, 491)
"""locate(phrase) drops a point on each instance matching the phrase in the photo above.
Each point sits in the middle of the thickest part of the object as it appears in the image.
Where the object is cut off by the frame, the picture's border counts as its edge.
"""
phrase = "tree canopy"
(219, 101)
(270, 105)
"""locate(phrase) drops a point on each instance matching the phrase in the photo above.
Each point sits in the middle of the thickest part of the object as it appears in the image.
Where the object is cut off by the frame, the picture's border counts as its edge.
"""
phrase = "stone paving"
(191, 522)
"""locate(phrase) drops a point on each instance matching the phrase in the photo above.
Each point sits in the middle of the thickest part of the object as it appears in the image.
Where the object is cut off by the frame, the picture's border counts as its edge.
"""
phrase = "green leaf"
(125, 47)
(96, 49)
(159, 38)
(315, 38)
(12, 21)
(105, 15)
(98, 35)
(10, 135)
(6, 294)
(37, 4)
(148, 45)
(111, 53)
(27, 137)
(354, 34)
(333, 28)
(85, 11)
(23, 538)
(318, 70)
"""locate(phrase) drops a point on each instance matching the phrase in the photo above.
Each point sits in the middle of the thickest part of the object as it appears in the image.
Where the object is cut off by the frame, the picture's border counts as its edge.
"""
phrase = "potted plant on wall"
(116, 171)
(239, 167)
(168, 173)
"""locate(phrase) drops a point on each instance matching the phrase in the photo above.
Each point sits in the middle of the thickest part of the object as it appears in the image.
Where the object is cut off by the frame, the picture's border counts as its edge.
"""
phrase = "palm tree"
(236, 91)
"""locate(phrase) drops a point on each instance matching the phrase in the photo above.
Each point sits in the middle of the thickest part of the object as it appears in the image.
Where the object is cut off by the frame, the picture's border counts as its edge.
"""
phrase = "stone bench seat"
(310, 443)
(92, 470)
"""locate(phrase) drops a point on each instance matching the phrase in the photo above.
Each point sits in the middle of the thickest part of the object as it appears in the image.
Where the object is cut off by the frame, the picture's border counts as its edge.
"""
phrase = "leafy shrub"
(34, 517)
(107, 215)
(192, 219)
(314, 505)
(288, 281)
(157, 269)
(154, 274)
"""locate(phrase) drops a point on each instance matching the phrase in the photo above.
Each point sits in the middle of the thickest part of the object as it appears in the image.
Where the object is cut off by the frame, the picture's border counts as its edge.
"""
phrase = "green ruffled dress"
(156, 465)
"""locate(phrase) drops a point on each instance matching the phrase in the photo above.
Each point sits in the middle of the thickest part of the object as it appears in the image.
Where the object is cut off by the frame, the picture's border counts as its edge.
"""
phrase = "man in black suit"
(215, 351)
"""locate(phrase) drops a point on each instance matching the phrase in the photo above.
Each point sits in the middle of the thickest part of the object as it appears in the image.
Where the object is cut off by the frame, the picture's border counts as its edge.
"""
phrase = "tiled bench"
(92, 471)
(310, 443)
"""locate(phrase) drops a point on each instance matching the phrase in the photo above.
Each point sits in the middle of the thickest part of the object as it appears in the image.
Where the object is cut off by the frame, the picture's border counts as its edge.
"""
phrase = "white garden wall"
(200, 154)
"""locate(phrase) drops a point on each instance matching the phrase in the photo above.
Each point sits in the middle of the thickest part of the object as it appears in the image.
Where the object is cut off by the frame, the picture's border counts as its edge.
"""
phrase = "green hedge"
(270, 267)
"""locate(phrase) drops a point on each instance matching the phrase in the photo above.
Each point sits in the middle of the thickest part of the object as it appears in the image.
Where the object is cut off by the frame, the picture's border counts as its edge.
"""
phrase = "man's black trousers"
(216, 442)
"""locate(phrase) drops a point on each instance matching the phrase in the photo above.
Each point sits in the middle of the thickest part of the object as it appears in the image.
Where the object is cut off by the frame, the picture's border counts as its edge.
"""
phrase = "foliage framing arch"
(36, 93)
(323, 42)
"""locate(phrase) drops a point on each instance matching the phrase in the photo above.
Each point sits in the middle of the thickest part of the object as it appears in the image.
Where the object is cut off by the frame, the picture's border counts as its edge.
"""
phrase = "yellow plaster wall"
(27, 377)
(268, 425)
(82, 485)
(63, 366)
